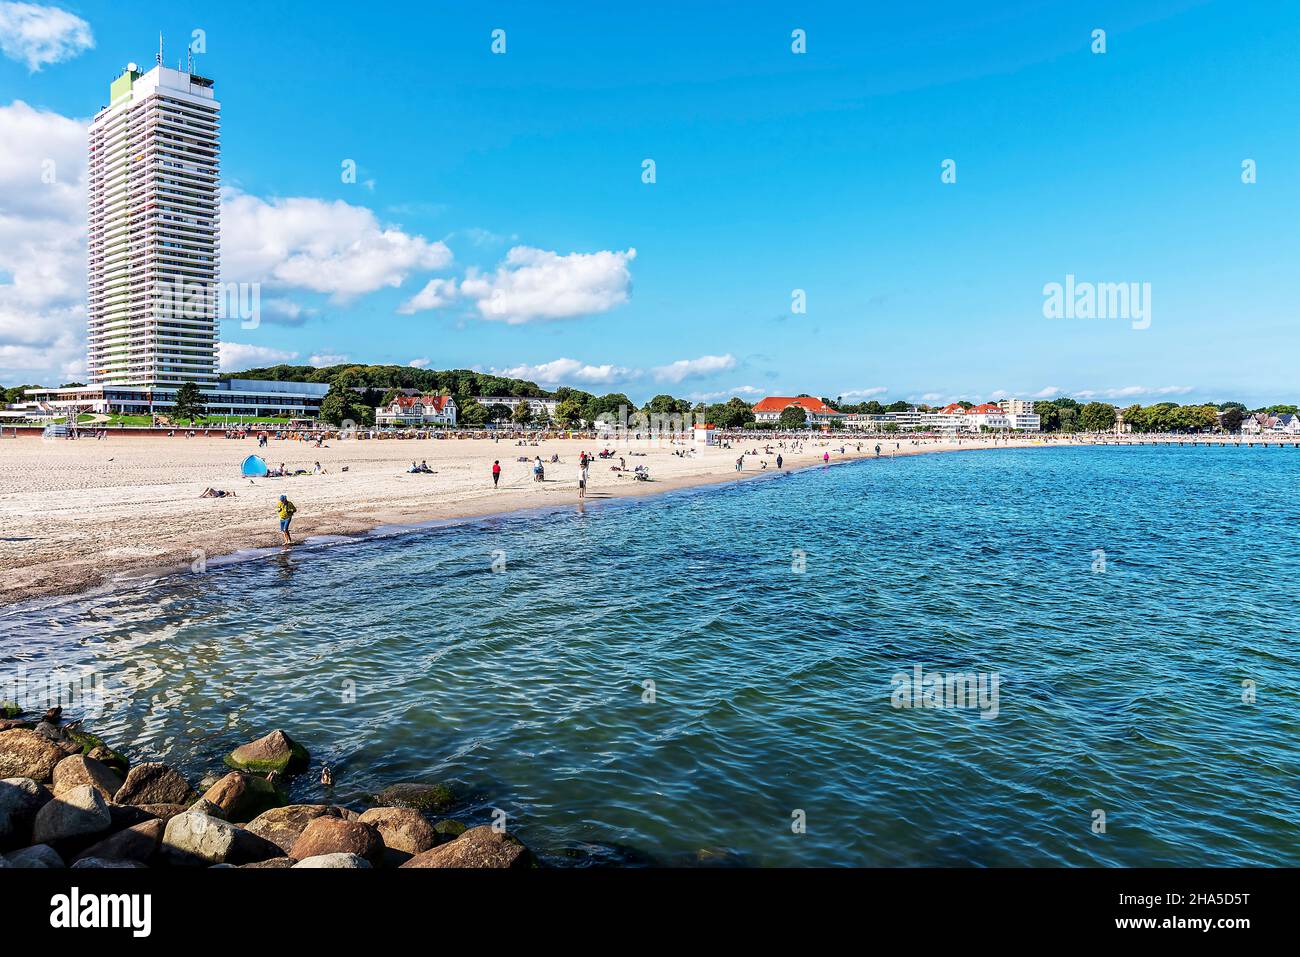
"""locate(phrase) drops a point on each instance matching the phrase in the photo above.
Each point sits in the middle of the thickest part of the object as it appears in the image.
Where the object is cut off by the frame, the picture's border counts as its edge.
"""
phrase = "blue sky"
(775, 171)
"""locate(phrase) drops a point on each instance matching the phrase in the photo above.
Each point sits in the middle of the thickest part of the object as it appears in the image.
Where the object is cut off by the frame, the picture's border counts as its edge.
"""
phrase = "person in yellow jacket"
(286, 516)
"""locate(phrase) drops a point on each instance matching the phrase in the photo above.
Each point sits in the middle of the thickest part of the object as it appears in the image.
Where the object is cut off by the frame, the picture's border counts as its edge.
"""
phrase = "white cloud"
(567, 372)
(692, 368)
(1047, 393)
(436, 294)
(328, 359)
(859, 395)
(419, 363)
(42, 243)
(532, 284)
(1133, 391)
(327, 247)
(37, 35)
(740, 390)
(237, 356)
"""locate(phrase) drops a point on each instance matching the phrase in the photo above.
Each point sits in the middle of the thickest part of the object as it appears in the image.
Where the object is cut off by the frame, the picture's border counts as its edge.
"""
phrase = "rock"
(28, 754)
(93, 746)
(139, 842)
(449, 830)
(204, 806)
(78, 769)
(478, 847)
(127, 815)
(79, 812)
(40, 855)
(154, 783)
(8, 724)
(164, 812)
(434, 798)
(20, 799)
(283, 825)
(402, 829)
(333, 835)
(242, 796)
(275, 752)
(272, 862)
(194, 839)
(337, 861)
(99, 862)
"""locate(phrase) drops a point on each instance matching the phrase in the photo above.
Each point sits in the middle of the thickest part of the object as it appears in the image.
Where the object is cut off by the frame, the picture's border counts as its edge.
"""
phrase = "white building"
(1016, 406)
(535, 406)
(152, 242)
(413, 411)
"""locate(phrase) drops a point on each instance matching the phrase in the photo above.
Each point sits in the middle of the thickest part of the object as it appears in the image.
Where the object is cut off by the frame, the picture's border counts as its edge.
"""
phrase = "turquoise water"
(1119, 690)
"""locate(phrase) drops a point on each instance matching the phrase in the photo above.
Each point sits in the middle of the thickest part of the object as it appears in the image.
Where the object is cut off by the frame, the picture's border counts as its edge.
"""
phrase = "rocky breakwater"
(68, 800)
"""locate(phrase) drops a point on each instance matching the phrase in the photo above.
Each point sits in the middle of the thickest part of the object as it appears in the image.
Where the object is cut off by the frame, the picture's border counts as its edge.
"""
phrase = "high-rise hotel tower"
(154, 232)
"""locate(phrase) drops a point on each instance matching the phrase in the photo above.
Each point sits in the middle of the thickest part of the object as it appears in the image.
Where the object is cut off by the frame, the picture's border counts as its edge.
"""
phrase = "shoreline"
(154, 530)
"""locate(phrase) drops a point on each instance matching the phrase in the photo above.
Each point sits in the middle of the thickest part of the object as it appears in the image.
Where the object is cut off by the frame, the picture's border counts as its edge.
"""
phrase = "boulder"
(333, 835)
(242, 796)
(127, 815)
(283, 825)
(99, 862)
(204, 806)
(139, 842)
(271, 862)
(401, 828)
(93, 746)
(20, 799)
(77, 813)
(194, 839)
(164, 812)
(8, 724)
(78, 769)
(154, 783)
(449, 830)
(39, 855)
(433, 798)
(275, 752)
(28, 754)
(336, 861)
(478, 847)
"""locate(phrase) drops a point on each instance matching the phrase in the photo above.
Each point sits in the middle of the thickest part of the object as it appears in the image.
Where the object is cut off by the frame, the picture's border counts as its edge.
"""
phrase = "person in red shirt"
(496, 473)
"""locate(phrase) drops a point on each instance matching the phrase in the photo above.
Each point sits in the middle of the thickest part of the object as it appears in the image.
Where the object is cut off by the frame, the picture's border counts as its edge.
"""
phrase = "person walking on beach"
(826, 458)
(779, 460)
(583, 474)
(496, 473)
(287, 509)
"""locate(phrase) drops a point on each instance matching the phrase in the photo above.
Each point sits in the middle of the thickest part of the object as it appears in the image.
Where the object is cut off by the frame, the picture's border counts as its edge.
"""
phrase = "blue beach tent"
(253, 466)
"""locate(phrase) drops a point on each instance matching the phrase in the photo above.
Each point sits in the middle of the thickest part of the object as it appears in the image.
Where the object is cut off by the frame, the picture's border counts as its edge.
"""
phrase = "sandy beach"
(85, 513)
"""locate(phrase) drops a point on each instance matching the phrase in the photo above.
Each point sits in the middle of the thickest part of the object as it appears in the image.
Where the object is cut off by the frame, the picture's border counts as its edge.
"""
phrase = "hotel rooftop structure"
(153, 252)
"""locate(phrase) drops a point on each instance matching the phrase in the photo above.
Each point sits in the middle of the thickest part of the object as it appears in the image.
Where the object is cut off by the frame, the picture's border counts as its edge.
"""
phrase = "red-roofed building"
(417, 410)
(816, 412)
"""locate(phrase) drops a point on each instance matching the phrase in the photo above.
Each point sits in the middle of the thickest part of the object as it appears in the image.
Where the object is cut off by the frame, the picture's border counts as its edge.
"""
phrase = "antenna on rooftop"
(160, 48)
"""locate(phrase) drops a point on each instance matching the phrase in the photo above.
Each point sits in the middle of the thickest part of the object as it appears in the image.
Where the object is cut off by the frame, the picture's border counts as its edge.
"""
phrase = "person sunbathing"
(216, 493)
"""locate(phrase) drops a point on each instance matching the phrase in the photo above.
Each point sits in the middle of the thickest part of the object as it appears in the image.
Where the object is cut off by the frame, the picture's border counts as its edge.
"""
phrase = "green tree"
(792, 417)
(189, 403)
(1231, 420)
(523, 414)
(1097, 417)
(569, 413)
(342, 405)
